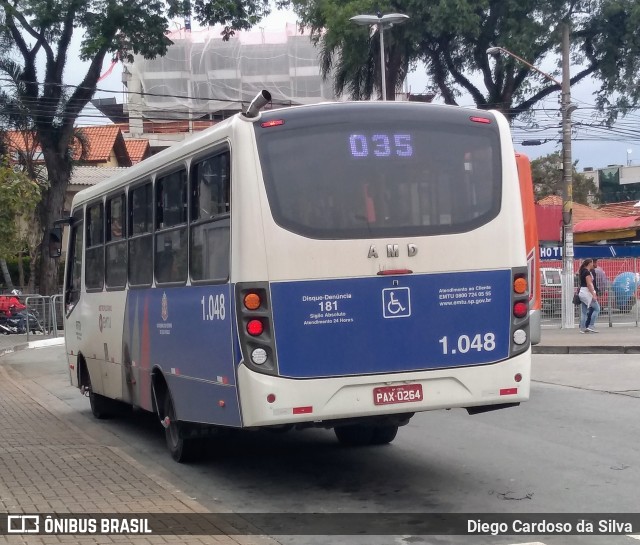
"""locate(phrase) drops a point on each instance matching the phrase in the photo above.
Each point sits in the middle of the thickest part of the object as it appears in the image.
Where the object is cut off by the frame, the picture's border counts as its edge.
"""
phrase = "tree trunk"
(5, 274)
(33, 244)
(50, 209)
(21, 270)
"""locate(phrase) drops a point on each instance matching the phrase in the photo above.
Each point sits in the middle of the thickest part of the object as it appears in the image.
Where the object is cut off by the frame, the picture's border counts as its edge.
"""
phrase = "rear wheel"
(182, 449)
(354, 435)
(383, 435)
(101, 407)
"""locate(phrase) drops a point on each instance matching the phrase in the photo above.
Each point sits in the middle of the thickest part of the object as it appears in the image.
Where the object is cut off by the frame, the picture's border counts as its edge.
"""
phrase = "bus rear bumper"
(267, 400)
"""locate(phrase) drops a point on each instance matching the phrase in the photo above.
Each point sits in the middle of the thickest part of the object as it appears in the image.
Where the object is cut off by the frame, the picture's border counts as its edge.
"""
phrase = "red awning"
(607, 224)
(549, 220)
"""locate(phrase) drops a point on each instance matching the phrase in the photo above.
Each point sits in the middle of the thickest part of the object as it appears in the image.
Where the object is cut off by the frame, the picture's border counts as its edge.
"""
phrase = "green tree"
(24, 150)
(452, 38)
(19, 196)
(350, 54)
(547, 180)
(40, 30)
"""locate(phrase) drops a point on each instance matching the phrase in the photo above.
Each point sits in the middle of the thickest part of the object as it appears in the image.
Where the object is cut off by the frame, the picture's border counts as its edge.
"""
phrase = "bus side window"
(171, 228)
(116, 247)
(210, 222)
(74, 269)
(479, 172)
(210, 187)
(140, 263)
(94, 258)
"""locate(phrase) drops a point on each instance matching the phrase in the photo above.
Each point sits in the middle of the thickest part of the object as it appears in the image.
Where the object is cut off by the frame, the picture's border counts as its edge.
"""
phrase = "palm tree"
(352, 59)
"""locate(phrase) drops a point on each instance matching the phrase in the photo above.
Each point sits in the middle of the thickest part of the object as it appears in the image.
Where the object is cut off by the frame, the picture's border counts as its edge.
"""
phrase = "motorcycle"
(5, 329)
(18, 322)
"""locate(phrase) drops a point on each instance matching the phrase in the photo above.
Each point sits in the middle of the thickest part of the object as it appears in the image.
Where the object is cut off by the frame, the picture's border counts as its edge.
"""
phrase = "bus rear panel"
(393, 242)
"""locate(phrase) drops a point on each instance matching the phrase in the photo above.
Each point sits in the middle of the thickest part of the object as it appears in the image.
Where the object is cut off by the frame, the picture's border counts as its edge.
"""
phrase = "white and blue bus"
(340, 265)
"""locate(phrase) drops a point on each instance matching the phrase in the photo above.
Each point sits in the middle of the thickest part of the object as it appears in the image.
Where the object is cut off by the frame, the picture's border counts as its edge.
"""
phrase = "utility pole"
(568, 314)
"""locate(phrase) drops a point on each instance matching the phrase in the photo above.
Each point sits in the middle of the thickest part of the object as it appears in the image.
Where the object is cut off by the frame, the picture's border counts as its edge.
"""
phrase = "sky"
(592, 146)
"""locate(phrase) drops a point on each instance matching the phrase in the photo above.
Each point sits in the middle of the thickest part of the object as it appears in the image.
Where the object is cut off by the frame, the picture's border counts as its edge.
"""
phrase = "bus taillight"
(252, 301)
(259, 356)
(272, 123)
(255, 327)
(520, 309)
(520, 285)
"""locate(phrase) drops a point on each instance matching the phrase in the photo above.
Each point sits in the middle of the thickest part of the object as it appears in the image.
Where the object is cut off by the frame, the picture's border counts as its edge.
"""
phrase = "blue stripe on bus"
(390, 324)
(187, 332)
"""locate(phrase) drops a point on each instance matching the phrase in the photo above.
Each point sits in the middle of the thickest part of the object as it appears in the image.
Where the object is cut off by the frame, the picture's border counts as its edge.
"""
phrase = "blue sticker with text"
(389, 324)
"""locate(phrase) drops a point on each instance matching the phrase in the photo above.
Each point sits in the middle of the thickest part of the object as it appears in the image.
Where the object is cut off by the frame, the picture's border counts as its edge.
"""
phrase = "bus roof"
(201, 140)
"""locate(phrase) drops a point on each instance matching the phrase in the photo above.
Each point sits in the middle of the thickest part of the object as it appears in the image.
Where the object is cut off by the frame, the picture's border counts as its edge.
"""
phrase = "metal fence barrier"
(44, 315)
(57, 312)
(618, 298)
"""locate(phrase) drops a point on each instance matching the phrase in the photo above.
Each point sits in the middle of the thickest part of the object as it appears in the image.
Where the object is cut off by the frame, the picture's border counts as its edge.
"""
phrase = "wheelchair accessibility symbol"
(396, 302)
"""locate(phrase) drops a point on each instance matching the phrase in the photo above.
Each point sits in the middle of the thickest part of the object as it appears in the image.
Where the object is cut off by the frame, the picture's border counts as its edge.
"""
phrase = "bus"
(338, 265)
(532, 246)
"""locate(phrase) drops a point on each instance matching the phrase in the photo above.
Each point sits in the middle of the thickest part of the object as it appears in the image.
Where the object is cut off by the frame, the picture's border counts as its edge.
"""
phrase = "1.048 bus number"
(467, 343)
(213, 307)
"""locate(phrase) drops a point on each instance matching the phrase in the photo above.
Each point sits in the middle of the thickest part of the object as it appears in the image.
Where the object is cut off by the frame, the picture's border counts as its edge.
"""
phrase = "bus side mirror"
(55, 242)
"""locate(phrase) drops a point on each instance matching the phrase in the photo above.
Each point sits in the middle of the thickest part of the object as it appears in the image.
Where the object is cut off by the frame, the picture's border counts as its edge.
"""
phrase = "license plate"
(405, 393)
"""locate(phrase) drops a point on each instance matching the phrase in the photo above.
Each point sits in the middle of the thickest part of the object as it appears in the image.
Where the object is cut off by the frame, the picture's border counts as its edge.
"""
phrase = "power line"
(625, 129)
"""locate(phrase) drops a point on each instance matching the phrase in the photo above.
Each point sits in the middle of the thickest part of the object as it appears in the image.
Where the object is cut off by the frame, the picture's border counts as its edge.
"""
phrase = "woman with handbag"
(589, 307)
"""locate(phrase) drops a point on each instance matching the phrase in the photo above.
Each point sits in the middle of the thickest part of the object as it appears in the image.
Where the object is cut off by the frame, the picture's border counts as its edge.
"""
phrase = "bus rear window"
(364, 176)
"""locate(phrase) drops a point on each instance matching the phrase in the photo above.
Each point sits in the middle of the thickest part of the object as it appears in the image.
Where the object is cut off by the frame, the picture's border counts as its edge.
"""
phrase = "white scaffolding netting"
(201, 74)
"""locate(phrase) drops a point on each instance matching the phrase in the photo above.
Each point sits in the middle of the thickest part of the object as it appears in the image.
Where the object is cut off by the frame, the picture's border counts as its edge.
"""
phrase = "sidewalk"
(609, 340)
(49, 465)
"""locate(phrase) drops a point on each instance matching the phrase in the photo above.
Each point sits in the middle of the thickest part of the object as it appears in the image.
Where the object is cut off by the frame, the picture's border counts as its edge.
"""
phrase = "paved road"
(572, 448)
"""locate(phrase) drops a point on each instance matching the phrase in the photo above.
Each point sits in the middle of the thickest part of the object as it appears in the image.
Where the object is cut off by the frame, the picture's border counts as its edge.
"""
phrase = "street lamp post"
(382, 22)
(629, 151)
(566, 108)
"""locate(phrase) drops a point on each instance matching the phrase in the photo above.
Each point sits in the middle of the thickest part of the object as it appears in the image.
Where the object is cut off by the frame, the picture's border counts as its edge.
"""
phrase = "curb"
(585, 349)
(42, 343)
(12, 349)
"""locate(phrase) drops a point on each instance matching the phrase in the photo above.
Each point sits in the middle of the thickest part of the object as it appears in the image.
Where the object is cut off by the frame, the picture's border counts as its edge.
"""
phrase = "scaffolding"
(202, 76)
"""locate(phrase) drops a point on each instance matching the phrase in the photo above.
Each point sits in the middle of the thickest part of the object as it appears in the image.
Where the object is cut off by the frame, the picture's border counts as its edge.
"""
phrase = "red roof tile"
(607, 224)
(580, 211)
(101, 140)
(620, 209)
(138, 149)
(21, 141)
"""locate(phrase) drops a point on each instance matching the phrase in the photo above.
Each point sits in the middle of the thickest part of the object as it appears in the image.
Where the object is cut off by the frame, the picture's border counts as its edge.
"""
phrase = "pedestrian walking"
(601, 280)
(589, 306)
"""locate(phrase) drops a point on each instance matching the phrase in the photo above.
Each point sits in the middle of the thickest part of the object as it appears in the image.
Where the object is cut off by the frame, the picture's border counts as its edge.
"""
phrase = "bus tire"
(354, 435)
(101, 407)
(183, 450)
(383, 435)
